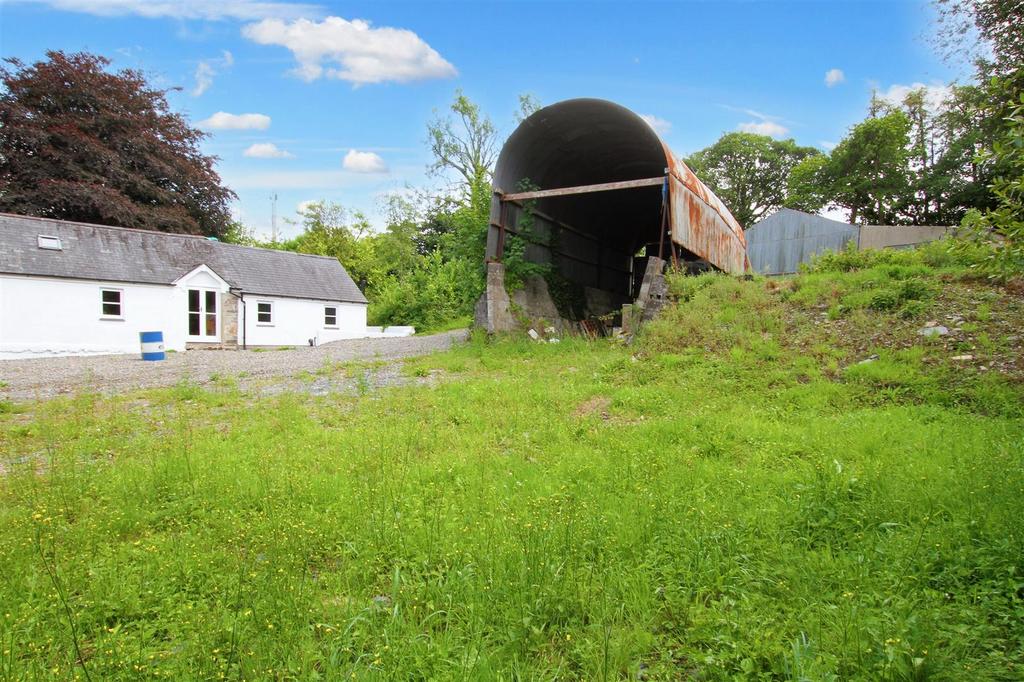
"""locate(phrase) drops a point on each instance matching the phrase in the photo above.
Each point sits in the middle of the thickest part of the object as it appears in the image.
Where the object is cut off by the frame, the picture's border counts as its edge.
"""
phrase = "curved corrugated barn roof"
(584, 142)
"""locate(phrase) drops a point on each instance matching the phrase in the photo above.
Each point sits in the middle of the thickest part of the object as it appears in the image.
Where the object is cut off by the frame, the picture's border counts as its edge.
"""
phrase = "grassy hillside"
(736, 495)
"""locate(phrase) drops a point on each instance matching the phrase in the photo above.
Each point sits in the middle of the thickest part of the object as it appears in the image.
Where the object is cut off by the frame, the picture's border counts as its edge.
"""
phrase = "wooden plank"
(583, 189)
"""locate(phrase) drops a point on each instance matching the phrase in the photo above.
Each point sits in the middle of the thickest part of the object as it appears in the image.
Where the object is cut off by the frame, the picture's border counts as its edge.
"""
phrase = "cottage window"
(330, 316)
(110, 303)
(264, 312)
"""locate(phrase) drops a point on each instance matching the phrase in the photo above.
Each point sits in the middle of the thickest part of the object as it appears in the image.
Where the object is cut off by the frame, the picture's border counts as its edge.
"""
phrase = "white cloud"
(834, 77)
(364, 162)
(267, 150)
(764, 128)
(660, 125)
(204, 78)
(352, 50)
(765, 125)
(827, 145)
(245, 10)
(222, 120)
(207, 69)
(934, 94)
(303, 206)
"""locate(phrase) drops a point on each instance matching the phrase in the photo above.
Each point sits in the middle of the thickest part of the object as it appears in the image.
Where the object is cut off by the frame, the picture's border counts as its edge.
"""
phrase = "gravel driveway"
(48, 377)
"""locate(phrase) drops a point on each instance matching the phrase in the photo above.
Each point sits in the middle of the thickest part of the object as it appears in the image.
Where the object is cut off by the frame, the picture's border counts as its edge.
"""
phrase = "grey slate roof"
(117, 254)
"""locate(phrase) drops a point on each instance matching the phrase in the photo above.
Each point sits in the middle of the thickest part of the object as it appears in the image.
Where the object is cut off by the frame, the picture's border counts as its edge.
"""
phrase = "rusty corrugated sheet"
(589, 141)
(701, 223)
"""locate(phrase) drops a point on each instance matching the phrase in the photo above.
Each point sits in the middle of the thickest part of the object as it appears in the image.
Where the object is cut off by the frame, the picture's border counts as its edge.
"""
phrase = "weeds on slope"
(729, 499)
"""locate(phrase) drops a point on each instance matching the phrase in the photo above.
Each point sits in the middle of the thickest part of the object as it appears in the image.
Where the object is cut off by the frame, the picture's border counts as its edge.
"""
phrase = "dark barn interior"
(577, 144)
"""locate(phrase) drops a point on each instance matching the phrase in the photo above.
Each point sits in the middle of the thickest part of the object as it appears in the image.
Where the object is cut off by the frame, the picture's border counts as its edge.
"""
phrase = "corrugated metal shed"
(604, 175)
(116, 254)
(900, 236)
(783, 240)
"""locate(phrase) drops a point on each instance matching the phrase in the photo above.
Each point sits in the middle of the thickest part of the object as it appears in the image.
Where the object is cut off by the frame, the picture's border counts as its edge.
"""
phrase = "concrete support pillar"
(494, 310)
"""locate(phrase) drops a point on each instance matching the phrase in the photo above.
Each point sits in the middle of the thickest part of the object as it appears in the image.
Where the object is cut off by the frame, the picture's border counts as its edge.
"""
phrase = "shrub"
(949, 252)
(433, 293)
(715, 312)
(683, 287)
(884, 300)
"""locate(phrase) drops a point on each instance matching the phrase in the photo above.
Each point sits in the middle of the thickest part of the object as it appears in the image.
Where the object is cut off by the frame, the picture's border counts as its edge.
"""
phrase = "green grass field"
(731, 497)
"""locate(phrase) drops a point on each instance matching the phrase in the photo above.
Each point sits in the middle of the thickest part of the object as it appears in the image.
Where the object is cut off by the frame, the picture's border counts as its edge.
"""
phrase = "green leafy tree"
(748, 172)
(237, 232)
(959, 177)
(947, 171)
(431, 294)
(938, 178)
(528, 106)
(867, 173)
(329, 230)
(1006, 218)
(465, 143)
(808, 187)
(396, 245)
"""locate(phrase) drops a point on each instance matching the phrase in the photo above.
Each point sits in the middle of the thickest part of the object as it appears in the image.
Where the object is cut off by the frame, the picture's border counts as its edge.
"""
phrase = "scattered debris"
(592, 329)
(962, 357)
(870, 358)
(548, 332)
(931, 329)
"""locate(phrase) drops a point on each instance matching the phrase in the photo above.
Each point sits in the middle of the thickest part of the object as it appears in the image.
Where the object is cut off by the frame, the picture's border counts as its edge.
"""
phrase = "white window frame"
(271, 313)
(120, 304)
(218, 314)
(335, 316)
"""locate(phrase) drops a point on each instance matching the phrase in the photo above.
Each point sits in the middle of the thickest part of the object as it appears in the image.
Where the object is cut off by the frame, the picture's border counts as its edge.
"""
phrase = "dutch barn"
(593, 192)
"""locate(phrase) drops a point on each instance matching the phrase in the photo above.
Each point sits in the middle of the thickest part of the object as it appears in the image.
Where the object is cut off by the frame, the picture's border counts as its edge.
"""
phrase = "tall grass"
(734, 510)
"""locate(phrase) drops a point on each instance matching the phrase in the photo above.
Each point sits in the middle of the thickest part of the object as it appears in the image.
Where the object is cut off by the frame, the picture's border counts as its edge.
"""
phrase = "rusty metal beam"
(553, 221)
(584, 189)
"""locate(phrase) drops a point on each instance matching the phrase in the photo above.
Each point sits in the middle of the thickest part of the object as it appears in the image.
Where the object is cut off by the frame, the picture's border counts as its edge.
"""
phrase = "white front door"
(203, 318)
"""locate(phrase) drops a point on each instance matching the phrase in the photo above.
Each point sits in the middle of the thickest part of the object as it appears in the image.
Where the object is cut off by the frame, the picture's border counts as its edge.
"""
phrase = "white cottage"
(71, 288)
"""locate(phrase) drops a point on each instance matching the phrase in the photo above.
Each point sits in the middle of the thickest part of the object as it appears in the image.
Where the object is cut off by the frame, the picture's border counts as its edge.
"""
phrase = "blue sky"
(342, 92)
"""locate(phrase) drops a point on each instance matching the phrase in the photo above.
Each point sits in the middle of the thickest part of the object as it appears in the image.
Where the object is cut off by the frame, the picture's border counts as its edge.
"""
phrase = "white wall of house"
(294, 321)
(205, 282)
(42, 316)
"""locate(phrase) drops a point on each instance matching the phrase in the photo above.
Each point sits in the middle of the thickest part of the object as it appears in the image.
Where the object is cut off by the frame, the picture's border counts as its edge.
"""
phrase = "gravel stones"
(49, 377)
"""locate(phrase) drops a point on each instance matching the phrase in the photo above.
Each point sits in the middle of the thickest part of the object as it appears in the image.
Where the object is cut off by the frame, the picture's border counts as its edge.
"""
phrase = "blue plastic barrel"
(152, 345)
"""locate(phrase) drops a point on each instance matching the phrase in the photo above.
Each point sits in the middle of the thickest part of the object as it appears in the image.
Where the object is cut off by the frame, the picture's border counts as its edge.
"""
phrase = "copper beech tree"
(78, 142)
